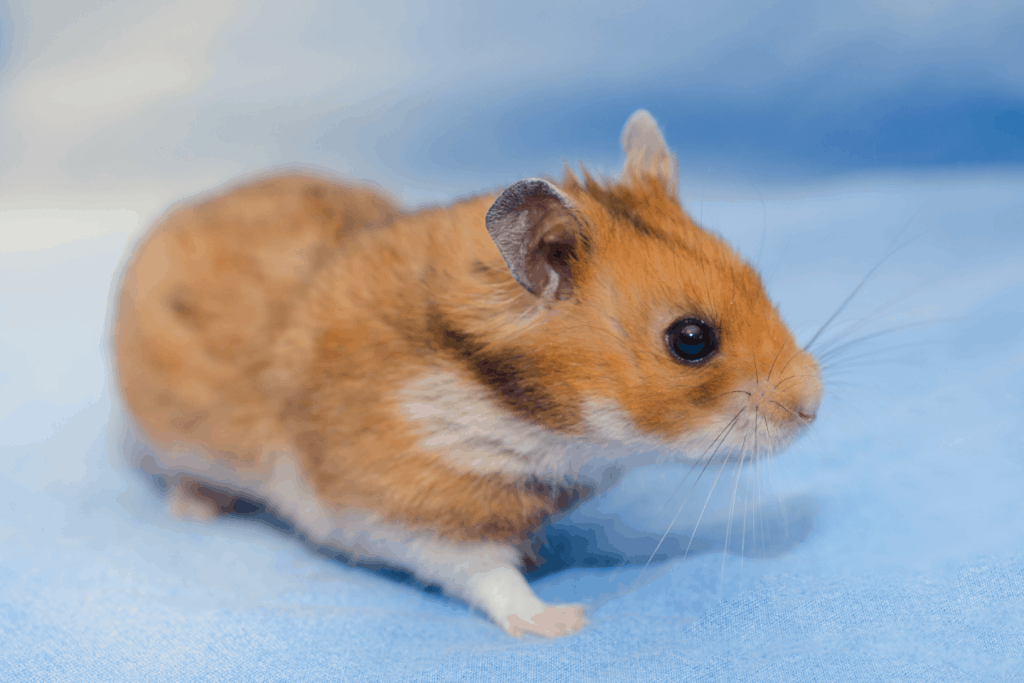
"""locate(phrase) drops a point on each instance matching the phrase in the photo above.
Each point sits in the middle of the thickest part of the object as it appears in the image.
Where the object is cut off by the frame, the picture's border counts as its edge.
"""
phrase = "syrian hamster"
(427, 389)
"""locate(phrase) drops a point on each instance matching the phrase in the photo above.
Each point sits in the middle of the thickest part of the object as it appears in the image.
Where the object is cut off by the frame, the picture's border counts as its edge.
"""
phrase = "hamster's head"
(650, 330)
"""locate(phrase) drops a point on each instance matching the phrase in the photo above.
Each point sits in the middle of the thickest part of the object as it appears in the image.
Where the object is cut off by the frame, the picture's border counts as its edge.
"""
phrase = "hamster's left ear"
(647, 154)
(535, 227)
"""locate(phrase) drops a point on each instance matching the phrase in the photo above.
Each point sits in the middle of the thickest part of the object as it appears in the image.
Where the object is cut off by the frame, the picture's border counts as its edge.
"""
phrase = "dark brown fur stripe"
(506, 373)
(621, 205)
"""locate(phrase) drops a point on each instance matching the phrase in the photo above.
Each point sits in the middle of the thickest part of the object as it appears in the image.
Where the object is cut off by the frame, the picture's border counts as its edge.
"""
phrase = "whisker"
(788, 410)
(721, 435)
(772, 369)
(703, 509)
(846, 367)
(833, 347)
(771, 482)
(757, 411)
(815, 436)
(746, 504)
(782, 504)
(802, 421)
(758, 521)
(891, 330)
(732, 506)
(783, 381)
(807, 424)
(829, 382)
(853, 325)
(757, 478)
(854, 409)
(869, 354)
(738, 391)
(791, 358)
(724, 434)
(863, 282)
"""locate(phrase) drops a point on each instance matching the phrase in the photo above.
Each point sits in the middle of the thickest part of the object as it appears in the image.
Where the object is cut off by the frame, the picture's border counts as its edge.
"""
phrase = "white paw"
(552, 621)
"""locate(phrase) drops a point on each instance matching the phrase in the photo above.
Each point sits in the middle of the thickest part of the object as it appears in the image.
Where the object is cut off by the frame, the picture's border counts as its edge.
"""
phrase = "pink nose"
(807, 407)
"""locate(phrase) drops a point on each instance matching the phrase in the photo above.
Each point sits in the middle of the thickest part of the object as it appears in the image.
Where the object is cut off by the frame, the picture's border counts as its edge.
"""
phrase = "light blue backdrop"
(887, 545)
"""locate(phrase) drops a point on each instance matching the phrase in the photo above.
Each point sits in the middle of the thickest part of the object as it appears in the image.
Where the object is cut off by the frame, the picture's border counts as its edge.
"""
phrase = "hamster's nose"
(807, 390)
(807, 408)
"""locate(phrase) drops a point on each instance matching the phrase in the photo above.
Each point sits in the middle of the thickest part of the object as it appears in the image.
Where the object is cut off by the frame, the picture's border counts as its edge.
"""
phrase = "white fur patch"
(462, 421)
(502, 592)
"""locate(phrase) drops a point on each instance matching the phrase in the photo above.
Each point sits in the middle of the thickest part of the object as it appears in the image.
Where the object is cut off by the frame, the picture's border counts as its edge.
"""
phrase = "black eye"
(690, 340)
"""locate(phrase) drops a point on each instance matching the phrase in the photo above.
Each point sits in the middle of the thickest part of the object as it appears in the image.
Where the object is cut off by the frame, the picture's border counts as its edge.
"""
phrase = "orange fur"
(291, 313)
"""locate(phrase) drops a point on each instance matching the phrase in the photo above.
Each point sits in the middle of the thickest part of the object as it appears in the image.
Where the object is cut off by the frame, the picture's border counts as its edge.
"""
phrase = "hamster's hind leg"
(190, 498)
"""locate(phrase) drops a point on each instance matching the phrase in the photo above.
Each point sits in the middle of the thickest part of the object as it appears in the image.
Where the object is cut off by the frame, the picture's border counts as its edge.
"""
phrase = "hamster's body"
(427, 389)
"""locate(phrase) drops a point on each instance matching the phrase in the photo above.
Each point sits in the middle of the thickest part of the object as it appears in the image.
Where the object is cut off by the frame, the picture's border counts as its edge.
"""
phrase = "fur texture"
(415, 383)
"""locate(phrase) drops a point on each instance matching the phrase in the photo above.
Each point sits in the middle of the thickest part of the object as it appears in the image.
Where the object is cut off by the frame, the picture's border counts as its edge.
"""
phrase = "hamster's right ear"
(647, 154)
(535, 227)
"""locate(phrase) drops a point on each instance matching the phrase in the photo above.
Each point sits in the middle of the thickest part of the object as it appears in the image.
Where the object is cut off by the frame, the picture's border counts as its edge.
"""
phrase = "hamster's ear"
(536, 229)
(646, 152)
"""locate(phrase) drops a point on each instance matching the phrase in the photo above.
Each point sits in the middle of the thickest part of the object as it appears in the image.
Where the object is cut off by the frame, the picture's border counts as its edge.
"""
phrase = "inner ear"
(535, 227)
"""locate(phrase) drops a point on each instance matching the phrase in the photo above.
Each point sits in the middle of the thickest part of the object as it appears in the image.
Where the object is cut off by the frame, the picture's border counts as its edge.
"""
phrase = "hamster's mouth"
(746, 436)
(756, 425)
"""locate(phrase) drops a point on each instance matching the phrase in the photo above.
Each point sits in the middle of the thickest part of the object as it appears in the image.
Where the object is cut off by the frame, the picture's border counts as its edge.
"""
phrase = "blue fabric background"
(884, 546)
(887, 546)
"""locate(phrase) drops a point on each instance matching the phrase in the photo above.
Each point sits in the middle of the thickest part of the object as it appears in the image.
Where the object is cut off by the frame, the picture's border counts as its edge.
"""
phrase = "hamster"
(428, 389)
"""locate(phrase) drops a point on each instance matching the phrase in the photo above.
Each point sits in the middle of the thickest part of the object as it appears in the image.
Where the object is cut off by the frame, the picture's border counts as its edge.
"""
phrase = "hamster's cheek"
(688, 434)
(719, 418)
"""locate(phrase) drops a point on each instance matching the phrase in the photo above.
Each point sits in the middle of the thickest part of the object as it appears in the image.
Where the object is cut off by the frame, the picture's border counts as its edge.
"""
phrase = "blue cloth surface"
(886, 545)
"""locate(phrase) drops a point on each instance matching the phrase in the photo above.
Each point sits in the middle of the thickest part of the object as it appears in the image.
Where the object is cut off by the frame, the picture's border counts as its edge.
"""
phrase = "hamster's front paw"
(552, 621)
(508, 600)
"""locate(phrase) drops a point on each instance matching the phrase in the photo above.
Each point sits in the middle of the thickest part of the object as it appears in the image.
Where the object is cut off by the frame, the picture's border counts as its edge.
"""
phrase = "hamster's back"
(208, 290)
